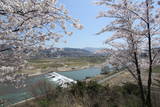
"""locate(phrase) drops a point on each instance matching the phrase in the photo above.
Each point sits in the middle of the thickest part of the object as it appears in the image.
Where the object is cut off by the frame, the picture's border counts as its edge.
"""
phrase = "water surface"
(13, 95)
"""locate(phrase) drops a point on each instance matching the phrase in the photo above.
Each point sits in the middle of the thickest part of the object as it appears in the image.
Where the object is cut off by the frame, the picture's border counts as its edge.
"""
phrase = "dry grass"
(67, 63)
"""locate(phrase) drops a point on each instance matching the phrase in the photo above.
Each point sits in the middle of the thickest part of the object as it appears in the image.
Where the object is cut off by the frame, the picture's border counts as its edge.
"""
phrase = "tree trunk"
(149, 102)
(139, 80)
(148, 99)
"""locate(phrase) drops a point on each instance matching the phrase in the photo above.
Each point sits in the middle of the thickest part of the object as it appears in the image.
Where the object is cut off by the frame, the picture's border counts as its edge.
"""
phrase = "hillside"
(64, 52)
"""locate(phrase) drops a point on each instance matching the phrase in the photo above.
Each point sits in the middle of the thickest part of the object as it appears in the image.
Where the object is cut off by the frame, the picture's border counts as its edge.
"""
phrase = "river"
(13, 95)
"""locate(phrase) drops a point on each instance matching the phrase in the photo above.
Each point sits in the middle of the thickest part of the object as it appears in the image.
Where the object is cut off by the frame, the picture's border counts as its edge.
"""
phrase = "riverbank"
(16, 95)
(42, 66)
(61, 69)
(112, 79)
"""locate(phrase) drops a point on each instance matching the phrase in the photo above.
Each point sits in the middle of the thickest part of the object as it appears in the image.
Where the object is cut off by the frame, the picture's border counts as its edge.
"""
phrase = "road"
(154, 89)
(110, 77)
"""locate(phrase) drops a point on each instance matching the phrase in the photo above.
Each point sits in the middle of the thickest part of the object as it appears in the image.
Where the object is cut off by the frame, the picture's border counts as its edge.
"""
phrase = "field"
(62, 64)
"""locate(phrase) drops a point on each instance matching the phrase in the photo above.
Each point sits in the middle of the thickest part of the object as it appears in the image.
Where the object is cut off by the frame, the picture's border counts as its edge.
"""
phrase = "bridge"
(59, 79)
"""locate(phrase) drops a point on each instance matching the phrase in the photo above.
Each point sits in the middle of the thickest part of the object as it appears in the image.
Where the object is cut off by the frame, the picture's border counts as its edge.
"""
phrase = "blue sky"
(86, 11)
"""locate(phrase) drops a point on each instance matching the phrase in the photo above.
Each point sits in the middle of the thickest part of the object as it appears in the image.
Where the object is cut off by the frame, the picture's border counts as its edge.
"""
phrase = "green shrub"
(130, 95)
(130, 89)
(92, 94)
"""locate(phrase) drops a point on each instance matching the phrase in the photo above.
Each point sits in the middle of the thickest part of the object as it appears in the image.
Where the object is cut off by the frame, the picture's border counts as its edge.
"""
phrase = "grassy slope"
(156, 69)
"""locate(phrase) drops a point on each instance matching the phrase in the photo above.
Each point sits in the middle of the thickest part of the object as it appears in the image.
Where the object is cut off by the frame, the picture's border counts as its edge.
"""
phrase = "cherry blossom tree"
(27, 25)
(136, 29)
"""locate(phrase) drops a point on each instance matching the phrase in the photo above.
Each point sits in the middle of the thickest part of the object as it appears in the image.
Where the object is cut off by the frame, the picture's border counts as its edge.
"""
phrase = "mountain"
(93, 50)
(74, 52)
(97, 51)
(64, 52)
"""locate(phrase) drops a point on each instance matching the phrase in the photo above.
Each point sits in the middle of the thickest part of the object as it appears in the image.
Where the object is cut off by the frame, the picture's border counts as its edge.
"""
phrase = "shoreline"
(63, 69)
(41, 73)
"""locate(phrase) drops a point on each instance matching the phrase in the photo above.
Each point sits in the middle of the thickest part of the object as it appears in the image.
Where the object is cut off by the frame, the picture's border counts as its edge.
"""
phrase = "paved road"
(110, 77)
(154, 90)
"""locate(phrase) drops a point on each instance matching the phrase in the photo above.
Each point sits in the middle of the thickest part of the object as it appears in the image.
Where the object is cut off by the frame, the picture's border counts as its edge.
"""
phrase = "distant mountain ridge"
(62, 52)
(97, 51)
(68, 52)
(91, 49)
